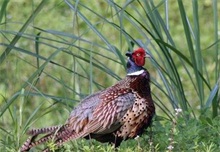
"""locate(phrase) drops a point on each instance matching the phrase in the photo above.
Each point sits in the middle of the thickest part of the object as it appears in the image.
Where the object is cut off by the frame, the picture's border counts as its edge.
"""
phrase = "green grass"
(53, 54)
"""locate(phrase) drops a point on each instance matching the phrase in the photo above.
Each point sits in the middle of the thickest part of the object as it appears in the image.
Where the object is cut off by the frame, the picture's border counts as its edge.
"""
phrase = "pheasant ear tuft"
(128, 54)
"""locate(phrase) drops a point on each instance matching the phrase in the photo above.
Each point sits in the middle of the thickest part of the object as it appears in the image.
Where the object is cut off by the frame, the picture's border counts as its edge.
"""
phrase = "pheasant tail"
(55, 133)
(34, 132)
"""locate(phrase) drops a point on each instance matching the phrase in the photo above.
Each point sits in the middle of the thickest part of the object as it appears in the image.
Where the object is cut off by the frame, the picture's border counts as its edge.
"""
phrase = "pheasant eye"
(138, 54)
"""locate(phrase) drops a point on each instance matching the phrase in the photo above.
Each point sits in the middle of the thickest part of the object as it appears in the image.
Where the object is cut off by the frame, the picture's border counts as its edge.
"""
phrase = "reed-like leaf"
(21, 31)
(3, 9)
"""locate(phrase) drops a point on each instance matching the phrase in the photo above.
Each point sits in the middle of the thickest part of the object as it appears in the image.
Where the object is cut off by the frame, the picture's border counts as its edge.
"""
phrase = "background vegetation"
(54, 53)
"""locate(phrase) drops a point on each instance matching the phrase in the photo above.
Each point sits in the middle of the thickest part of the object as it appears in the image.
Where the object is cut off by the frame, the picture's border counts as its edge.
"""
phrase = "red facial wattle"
(139, 56)
(140, 60)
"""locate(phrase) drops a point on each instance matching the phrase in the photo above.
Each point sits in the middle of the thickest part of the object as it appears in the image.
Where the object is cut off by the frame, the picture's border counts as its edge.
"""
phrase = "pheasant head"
(136, 61)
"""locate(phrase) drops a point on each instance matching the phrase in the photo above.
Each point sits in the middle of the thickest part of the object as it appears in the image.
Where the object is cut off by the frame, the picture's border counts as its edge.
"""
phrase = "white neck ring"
(136, 73)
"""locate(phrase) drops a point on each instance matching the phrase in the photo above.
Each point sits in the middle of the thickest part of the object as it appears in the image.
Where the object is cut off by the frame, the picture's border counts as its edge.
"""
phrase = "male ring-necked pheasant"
(117, 113)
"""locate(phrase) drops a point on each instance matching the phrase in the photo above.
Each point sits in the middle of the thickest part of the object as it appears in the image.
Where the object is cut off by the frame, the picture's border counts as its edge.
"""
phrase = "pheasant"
(117, 113)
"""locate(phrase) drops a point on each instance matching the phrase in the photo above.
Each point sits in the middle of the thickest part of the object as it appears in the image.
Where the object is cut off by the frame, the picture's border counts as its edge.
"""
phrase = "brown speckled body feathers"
(117, 113)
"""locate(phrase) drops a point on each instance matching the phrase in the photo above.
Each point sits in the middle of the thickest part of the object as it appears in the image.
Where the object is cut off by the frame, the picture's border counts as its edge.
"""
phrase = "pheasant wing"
(106, 116)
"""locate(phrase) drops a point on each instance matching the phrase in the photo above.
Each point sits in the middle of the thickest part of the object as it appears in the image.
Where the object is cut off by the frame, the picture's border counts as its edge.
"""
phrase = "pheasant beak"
(147, 56)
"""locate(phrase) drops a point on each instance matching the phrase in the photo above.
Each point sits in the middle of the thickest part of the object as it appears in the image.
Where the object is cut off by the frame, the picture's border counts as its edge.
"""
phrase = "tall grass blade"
(21, 31)
(198, 54)
(30, 80)
(216, 38)
(188, 34)
(85, 19)
(3, 9)
(213, 100)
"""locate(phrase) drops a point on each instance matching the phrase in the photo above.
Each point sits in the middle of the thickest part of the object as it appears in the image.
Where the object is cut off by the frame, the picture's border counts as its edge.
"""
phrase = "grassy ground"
(54, 53)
